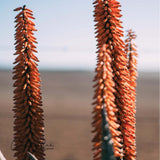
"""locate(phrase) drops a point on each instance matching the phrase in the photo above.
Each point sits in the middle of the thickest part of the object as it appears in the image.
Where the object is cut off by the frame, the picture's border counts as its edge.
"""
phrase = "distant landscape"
(67, 98)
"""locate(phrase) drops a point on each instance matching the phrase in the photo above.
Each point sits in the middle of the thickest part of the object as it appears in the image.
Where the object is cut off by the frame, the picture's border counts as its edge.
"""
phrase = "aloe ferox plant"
(115, 88)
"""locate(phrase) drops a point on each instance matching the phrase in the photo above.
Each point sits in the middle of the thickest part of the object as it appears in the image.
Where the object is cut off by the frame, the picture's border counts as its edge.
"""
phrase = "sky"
(66, 39)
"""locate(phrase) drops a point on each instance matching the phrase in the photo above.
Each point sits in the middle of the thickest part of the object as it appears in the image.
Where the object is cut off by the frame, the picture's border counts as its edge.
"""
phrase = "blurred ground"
(67, 98)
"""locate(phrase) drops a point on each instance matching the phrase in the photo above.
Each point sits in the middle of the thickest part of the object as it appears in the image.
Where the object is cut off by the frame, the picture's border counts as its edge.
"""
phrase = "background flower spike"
(28, 114)
(130, 49)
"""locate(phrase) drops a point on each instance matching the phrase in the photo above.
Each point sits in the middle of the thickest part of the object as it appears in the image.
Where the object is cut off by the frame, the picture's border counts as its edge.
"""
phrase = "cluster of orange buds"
(108, 32)
(28, 123)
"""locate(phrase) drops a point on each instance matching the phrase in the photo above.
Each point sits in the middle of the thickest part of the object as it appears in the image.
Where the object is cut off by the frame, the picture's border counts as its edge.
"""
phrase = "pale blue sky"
(66, 32)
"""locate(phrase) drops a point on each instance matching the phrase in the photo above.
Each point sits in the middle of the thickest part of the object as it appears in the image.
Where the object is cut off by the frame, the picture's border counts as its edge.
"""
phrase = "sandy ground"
(67, 98)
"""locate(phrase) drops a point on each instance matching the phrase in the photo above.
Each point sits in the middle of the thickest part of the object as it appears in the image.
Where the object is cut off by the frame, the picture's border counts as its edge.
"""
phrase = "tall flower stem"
(28, 123)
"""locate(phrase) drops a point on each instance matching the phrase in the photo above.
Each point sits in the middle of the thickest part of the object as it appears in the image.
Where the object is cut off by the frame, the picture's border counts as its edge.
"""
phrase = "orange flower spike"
(107, 14)
(107, 23)
(28, 123)
(130, 49)
(105, 96)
